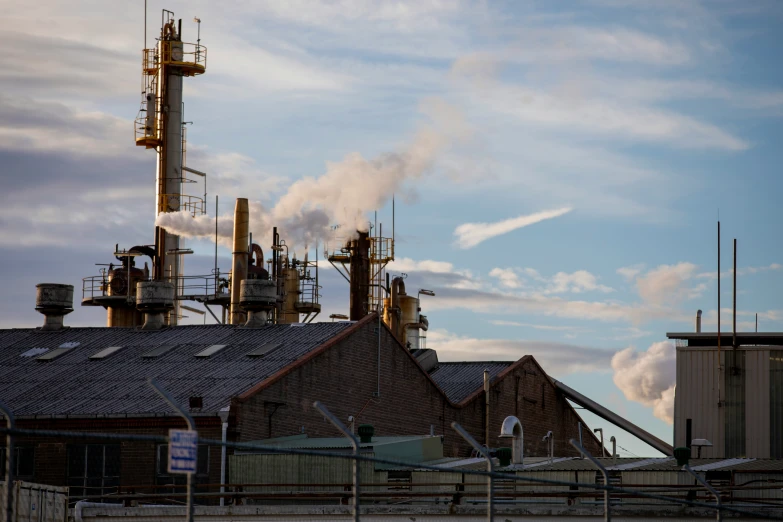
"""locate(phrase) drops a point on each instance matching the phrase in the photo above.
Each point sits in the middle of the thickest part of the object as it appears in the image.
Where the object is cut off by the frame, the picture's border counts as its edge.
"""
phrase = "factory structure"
(255, 374)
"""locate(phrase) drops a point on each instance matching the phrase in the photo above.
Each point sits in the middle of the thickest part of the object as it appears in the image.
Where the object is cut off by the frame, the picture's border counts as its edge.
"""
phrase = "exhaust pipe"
(240, 256)
(698, 321)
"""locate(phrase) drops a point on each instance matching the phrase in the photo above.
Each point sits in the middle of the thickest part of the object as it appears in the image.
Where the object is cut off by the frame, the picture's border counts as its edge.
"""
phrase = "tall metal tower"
(159, 126)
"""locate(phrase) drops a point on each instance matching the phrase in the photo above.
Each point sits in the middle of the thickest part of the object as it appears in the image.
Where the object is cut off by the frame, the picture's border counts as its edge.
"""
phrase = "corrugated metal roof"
(460, 379)
(74, 384)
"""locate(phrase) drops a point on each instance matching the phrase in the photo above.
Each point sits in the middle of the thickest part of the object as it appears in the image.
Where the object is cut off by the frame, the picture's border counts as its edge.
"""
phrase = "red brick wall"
(137, 458)
(344, 379)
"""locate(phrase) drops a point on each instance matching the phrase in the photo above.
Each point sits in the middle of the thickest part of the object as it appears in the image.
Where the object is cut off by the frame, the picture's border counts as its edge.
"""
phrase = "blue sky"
(634, 123)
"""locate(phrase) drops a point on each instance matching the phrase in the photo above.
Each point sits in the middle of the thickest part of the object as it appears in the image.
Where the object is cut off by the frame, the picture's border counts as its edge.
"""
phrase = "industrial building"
(730, 394)
(264, 381)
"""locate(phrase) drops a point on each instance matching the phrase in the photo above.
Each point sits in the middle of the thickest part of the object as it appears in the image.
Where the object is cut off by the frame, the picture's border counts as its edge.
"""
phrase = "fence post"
(191, 426)
(9, 462)
(708, 487)
(490, 468)
(585, 453)
(354, 443)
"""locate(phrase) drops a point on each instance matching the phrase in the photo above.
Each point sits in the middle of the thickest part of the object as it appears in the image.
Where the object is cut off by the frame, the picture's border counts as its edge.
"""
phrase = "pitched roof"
(460, 379)
(73, 384)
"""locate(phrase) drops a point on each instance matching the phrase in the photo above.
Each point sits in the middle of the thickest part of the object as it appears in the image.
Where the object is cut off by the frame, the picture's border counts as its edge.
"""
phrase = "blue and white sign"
(183, 451)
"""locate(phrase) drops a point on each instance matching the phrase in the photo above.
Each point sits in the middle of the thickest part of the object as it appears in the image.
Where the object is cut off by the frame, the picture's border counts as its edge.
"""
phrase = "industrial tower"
(160, 126)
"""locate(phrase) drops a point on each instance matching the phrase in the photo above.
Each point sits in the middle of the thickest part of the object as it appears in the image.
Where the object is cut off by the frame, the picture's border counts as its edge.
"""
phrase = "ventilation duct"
(154, 299)
(54, 301)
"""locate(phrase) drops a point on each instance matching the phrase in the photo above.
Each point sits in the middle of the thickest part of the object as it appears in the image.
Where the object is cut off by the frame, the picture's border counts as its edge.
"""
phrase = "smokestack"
(54, 301)
(240, 255)
(360, 276)
(698, 321)
(154, 299)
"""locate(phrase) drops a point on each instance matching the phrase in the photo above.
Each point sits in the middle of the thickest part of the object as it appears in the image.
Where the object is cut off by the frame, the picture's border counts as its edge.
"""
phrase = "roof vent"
(54, 301)
(257, 297)
(366, 431)
(196, 403)
(154, 298)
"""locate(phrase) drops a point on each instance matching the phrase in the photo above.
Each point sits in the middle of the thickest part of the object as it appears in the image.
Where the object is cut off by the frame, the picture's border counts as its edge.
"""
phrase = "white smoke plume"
(345, 193)
(648, 377)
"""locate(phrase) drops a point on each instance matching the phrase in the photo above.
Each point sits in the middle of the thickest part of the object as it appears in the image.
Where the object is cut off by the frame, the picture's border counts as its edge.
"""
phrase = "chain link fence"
(92, 478)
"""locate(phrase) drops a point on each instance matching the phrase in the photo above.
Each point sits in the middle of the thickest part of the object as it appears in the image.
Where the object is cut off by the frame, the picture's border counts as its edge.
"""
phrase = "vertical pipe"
(698, 321)
(734, 303)
(9, 460)
(239, 269)
(708, 487)
(757, 323)
(579, 425)
(223, 464)
(378, 381)
(720, 361)
(217, 279)
(486, 409)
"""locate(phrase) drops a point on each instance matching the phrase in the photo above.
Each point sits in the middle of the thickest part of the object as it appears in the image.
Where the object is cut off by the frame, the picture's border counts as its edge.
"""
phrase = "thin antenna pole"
(392, 252)
(757, 323)
(145, 24)
(216, 240)
(720, 365)
(734, 305)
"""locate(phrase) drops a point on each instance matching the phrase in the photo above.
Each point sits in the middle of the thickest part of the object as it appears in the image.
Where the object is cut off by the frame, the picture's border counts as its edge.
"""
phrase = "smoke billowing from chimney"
(648, 377)
(345, 193)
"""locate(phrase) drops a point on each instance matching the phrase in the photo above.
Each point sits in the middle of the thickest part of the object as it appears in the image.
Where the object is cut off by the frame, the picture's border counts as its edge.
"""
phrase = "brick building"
(95, 379)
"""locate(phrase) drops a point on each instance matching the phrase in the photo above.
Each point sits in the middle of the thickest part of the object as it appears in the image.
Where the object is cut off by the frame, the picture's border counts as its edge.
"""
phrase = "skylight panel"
(54, 354)
(157, 352)
(265, 350)
(212, 350)
(32, 352)
(106, 352)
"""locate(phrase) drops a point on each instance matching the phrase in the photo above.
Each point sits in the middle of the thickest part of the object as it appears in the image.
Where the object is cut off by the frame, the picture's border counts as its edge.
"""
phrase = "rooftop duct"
(698, 321)
(257, 297)
(154, 299)
(54, 301)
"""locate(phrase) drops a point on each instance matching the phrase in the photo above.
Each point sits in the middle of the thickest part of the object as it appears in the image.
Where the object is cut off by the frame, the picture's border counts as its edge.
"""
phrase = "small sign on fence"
(183, 451)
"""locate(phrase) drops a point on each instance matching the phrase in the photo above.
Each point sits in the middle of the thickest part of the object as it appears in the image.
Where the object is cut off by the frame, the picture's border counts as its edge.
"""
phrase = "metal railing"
(191, 57)
(196, 205)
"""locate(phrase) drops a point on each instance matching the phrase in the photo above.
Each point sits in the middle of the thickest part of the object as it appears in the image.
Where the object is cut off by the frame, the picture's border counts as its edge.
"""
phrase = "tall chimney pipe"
(698, 321)
(486, 408)
(239, 268)
(734, 305)
(360, 276)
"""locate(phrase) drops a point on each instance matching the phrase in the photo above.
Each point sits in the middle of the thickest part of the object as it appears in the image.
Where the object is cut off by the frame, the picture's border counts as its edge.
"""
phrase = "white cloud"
(472, 234)
(507, 277)
(630, 272)
(668, 284)
(576, 282)
(648, 377)
(555, 358)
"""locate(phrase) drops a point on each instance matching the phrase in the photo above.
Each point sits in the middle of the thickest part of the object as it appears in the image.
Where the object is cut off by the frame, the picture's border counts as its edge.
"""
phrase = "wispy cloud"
(472, 234)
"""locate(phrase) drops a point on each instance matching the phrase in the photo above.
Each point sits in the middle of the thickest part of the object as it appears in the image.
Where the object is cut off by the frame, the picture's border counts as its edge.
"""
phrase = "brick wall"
(344, 378)
(137, 458)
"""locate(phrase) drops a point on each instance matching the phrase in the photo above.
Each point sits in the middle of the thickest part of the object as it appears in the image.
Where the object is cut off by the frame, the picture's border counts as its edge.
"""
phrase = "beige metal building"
(733, 397)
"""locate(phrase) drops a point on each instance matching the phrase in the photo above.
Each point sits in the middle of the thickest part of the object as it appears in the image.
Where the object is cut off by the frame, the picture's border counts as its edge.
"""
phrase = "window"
(24, 462)
(164, 478)
(93, 469)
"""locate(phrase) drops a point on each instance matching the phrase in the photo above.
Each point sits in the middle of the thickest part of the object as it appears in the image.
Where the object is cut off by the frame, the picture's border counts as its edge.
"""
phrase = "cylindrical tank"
(257, 297)
(54, 301)
(409, 306)
(291, 285)
(154, 298)
(123, 314)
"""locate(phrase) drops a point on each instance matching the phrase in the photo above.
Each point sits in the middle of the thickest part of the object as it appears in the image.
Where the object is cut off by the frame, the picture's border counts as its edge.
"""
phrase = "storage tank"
(123, 314)
(291, 288)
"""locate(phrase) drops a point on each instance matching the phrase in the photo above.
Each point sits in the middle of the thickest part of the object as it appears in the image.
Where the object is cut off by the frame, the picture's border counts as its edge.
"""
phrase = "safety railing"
(190, 57)
(196, 205)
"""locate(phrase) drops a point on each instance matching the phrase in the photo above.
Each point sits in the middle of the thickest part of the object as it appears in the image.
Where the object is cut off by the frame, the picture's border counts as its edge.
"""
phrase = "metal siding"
(696, 393)
(757, 408)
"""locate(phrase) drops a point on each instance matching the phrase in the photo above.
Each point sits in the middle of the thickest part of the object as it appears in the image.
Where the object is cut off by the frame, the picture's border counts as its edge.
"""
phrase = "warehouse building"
(265, 379)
